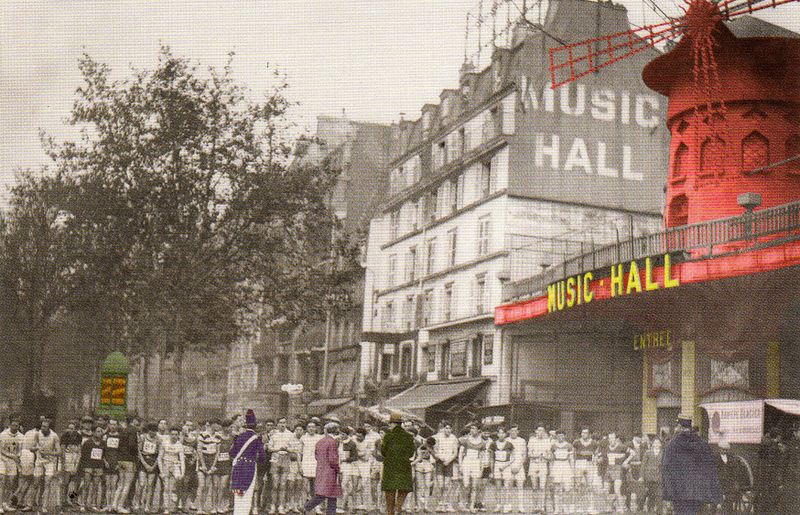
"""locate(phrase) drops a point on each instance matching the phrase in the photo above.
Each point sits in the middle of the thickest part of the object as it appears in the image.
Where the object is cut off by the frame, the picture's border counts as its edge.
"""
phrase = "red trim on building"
(763, 260)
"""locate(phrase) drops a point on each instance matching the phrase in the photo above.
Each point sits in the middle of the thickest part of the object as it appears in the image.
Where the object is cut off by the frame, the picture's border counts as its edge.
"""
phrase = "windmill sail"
(575, 60)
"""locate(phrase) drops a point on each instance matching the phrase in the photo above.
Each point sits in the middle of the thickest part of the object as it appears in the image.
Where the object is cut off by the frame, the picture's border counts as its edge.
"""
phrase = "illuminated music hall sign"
(621, 280)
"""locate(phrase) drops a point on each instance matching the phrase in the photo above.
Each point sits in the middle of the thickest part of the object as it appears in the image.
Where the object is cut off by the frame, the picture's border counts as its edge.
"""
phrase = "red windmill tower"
(734, 106)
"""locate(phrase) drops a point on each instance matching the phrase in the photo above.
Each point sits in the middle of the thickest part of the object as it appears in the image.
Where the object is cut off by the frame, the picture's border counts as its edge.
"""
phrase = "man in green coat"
(397, 449)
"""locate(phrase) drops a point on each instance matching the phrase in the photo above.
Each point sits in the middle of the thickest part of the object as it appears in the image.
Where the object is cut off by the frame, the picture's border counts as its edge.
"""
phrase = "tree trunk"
(178, 366)
(145, 394)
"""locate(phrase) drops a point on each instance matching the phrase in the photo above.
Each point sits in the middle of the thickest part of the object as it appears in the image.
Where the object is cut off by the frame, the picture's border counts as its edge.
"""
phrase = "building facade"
(503, 178)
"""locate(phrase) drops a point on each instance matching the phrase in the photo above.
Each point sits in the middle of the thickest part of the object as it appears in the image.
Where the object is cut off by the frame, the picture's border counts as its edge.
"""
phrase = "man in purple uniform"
(247, 451)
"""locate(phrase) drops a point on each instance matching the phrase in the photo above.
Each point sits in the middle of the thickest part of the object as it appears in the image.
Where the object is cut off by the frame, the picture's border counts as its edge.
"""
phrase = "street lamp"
(294, 391)
(749, 201)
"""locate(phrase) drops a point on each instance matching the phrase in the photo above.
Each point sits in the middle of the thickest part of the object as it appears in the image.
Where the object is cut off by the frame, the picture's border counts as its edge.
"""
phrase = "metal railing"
(700, 240)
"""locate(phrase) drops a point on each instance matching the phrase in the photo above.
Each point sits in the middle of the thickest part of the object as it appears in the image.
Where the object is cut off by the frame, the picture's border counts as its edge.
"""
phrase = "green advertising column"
(114, 386)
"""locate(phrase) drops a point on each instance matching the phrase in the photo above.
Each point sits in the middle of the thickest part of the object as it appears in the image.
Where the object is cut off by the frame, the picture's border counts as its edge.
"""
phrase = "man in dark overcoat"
(689, 471)
(397, 448)
(734, 476)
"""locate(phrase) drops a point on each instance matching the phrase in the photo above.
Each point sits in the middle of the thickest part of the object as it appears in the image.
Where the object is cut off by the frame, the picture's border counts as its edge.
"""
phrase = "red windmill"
(734, 105)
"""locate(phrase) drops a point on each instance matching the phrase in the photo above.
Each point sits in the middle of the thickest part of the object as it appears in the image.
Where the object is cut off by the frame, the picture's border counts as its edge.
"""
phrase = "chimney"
(428, 111)
(500, 60)
(466, 78)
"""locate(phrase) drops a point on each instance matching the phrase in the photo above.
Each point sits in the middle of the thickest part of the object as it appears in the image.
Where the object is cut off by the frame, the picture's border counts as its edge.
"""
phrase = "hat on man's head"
(685, 422)
(250, 418)
(395, 418)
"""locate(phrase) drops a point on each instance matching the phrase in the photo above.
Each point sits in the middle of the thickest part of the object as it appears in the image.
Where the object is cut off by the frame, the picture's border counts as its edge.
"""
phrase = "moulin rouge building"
(630, 335)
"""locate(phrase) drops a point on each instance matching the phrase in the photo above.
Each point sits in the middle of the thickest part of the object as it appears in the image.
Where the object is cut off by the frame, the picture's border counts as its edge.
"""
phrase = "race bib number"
(97, 453)
(223, 456)
(148, 447)
(501, 455)
(112, 442)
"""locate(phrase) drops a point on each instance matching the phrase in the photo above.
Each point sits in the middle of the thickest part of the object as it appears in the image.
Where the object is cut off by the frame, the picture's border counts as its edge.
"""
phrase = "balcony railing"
(700, 240)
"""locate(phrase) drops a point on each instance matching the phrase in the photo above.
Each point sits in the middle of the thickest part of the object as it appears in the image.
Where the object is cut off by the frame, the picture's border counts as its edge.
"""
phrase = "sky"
(370, 60)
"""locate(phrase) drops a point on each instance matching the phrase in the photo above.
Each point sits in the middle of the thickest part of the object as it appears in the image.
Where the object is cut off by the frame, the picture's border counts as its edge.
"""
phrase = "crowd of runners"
(104, 465)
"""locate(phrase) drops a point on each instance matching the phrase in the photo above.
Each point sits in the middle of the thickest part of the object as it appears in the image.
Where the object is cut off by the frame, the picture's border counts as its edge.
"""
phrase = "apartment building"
(502, 178)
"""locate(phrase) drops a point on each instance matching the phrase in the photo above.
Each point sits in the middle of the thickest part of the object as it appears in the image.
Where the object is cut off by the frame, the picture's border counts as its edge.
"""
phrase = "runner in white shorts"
(363, 467)
(517, 468)
(539, 447)
(10, 443)
(562, 471)
(501, 454)
(587, 482)
(470, 463)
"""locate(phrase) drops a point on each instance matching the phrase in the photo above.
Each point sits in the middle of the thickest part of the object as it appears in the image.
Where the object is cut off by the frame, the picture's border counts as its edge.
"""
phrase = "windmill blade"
(575, 60)
(733, 8)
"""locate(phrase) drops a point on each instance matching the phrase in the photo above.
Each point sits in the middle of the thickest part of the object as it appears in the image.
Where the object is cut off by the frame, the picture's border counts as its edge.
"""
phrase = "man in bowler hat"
(247, 451)
(689, 471)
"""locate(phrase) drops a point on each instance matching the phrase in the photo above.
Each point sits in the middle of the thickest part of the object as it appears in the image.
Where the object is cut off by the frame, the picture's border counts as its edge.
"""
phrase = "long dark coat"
(397, 449)
(326, 483)
(689, 470)
(244, 470)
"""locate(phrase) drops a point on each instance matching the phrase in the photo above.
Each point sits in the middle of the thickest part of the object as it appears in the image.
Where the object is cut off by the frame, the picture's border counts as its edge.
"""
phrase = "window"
(679, 211)
(491, 124)
(388, 319)
(394, 224)
(712, 156)
(396, 360)
(452, 242)
(483, 235)
(480, 293)
(406, 362)
(440, 154)
(415, 169)
(430, 256)
(427, 307)
(448, 301)
(486, 178)
(390, 276)
(412, 214)
(431, 206)
(755, 151)
(401, 179)
(408, 313)
(680, 162)
(488, 349)
(458, 358)
(386, 366)
(445, 363)
(454, 191)
(411, 264)
(431, 358)
(462, 141)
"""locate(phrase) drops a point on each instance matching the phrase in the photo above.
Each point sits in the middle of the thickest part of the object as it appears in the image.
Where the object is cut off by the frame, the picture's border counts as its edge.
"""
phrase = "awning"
(430, 394)
(790, 406)
(321, 406)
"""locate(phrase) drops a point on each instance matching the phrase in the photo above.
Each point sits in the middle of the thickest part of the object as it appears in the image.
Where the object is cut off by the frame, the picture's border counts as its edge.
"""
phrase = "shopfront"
(632, 359)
